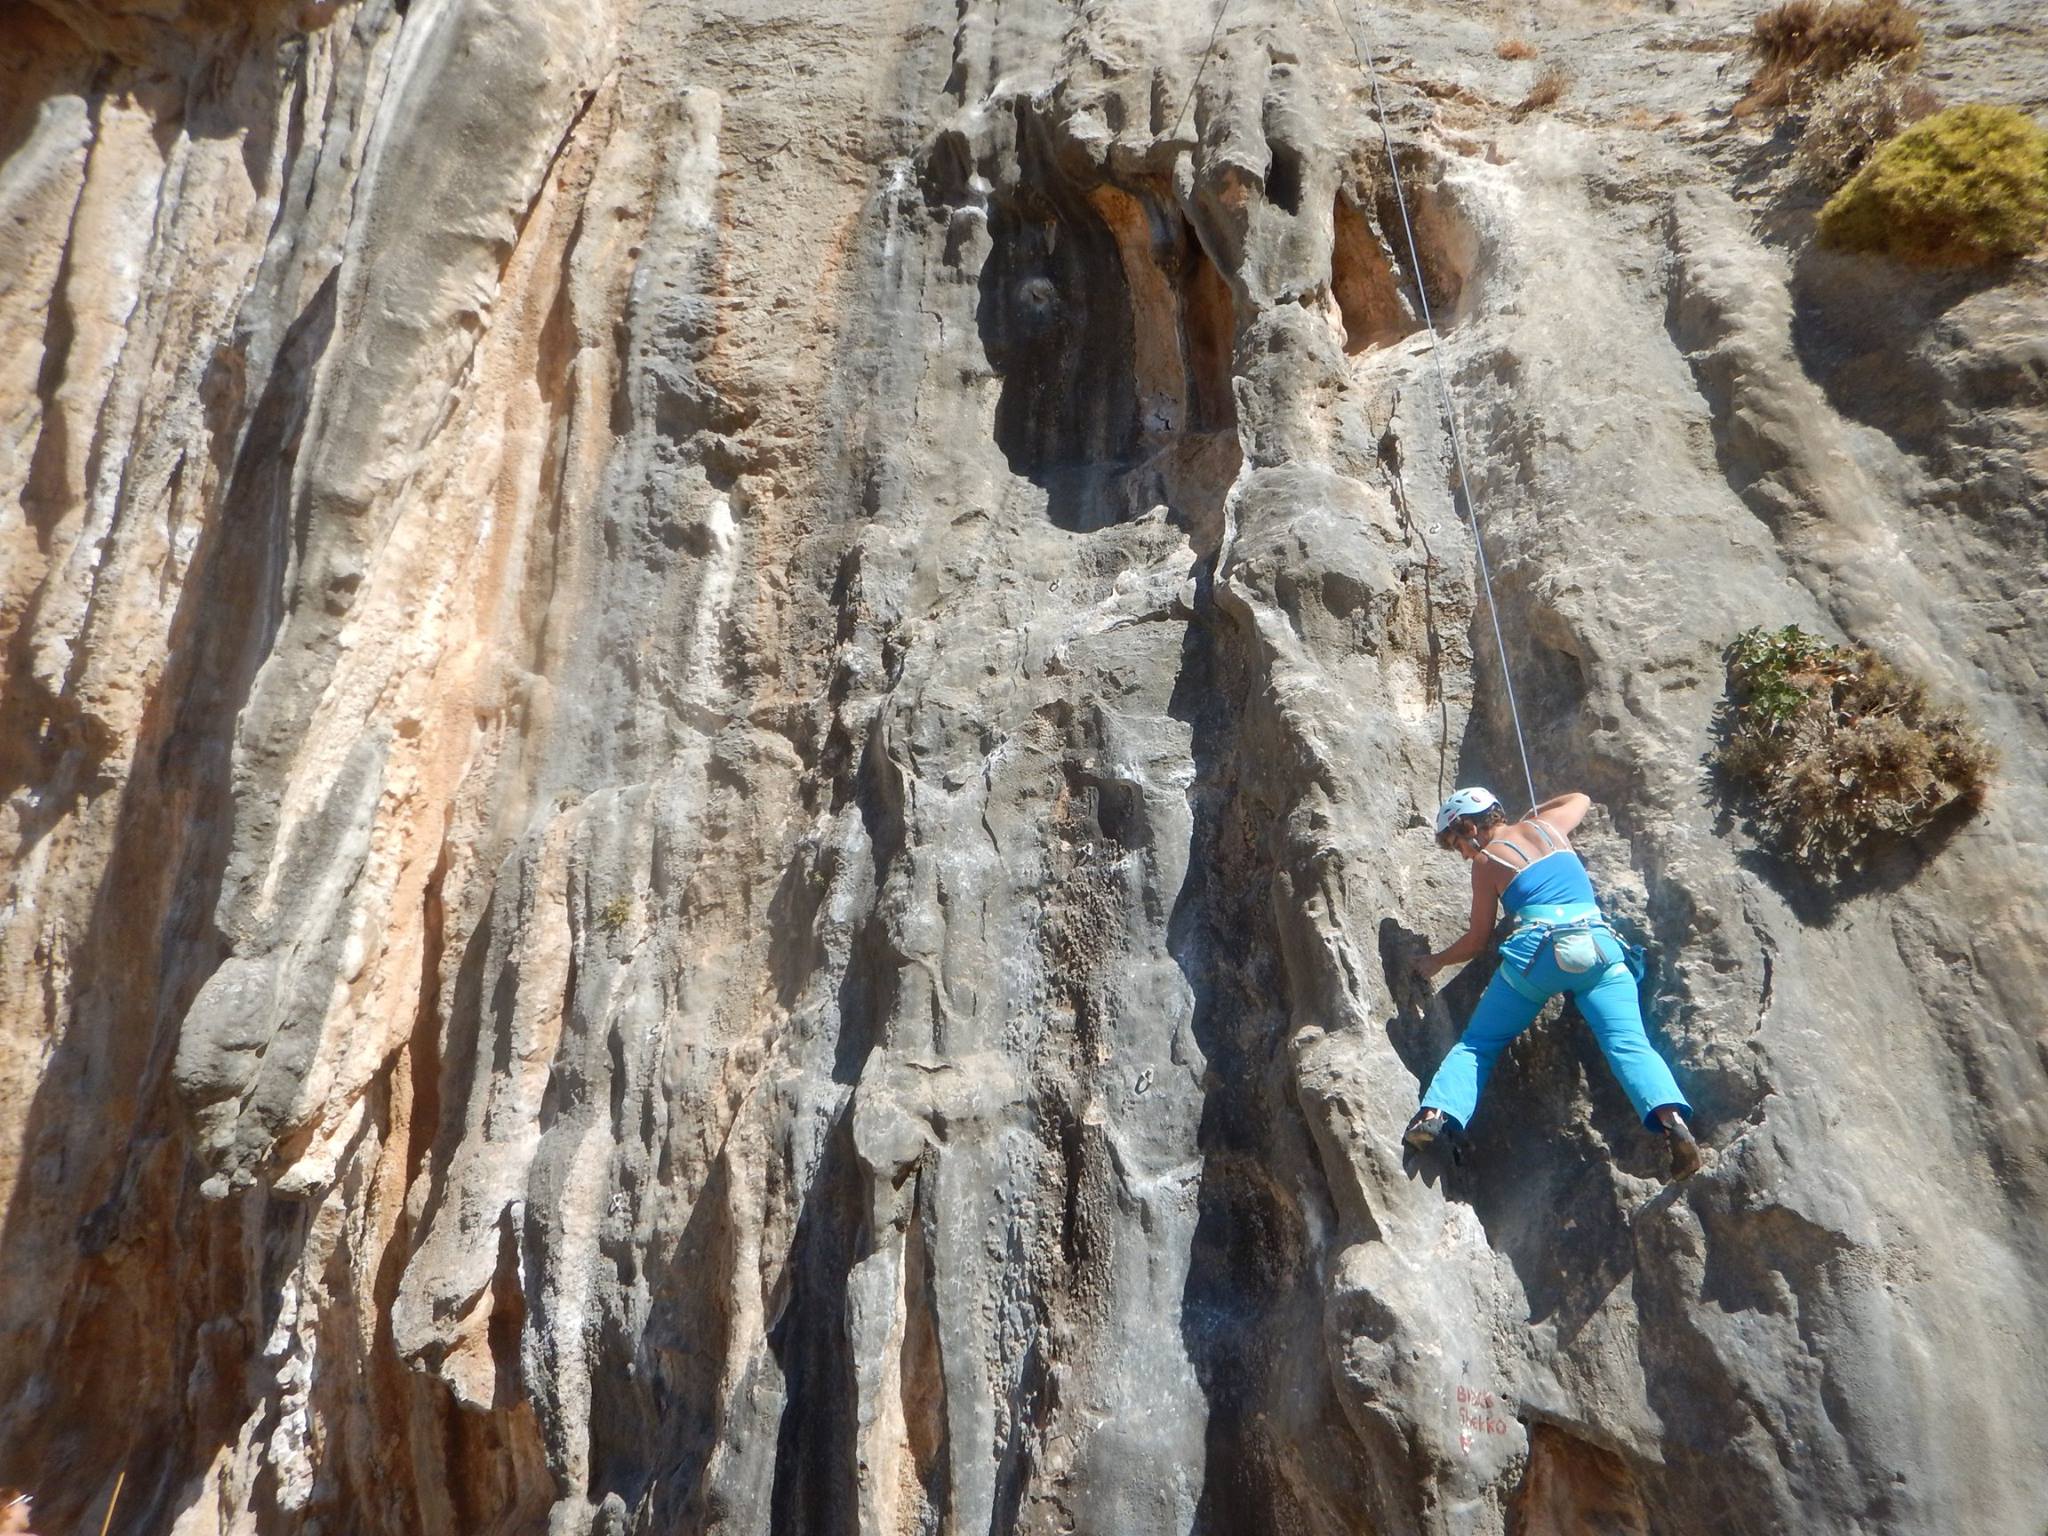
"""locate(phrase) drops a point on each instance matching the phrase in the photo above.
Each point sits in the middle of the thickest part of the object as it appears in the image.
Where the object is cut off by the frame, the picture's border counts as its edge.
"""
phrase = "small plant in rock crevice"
(1514, 48)
(1961, 188)
(1836, 752)
(1548, 91)
(613, 916)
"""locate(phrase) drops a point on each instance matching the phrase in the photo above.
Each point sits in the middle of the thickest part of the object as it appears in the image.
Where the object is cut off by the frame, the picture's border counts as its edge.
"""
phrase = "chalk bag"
(1577, 953)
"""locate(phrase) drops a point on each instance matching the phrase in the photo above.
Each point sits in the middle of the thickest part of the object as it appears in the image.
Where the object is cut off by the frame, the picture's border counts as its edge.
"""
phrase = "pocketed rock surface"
(718, 729)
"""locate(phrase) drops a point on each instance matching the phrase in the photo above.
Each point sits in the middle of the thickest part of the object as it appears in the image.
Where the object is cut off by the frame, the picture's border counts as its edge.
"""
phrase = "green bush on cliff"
(1835, 750)
(1965, 186)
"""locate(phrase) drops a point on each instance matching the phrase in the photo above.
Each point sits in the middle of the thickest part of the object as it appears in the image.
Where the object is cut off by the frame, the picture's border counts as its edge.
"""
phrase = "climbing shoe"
(1429, 1127)
(1685, 1151)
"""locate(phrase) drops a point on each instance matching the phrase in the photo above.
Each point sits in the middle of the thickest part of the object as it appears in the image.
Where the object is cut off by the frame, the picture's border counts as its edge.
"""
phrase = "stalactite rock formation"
(718, 733)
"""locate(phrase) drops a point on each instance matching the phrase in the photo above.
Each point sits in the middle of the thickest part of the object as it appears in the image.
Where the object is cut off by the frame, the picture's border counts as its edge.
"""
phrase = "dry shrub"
(1515, 48)
(1824, 40)
(1837, 752)
(1963, 187)
(1548, 90)
(1802, 44)
(1850, 116)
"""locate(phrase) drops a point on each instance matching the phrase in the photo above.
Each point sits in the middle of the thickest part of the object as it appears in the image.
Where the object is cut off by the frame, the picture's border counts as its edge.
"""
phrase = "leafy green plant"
(1965, 186)
(613, 916)
(1835, 751)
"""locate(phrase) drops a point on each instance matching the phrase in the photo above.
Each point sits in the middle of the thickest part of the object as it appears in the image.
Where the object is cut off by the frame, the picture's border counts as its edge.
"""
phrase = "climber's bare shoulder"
(1561, 814)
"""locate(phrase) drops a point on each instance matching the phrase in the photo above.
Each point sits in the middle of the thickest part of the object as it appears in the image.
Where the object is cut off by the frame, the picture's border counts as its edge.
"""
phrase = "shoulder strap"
(1503, 863)
(1551, 840)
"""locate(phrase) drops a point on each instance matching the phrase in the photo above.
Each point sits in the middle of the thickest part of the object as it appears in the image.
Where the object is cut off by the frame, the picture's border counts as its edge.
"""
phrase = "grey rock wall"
(718, 731)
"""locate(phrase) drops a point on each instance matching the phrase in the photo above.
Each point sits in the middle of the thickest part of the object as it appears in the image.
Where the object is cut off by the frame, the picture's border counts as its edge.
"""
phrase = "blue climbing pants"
(1607, 997)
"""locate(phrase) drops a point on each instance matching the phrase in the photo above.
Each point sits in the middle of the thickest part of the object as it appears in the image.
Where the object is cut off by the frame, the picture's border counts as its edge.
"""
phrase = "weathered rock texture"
(717, 728)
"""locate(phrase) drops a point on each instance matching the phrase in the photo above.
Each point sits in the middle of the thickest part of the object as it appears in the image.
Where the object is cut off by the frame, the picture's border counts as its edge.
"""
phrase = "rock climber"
(1560, 943)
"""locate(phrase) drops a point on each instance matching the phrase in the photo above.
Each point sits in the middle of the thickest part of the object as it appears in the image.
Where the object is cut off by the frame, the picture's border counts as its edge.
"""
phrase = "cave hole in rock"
(1364, 282)
(1283, 177)
(1112, 334)
(1570, 1484)
(1446, 243)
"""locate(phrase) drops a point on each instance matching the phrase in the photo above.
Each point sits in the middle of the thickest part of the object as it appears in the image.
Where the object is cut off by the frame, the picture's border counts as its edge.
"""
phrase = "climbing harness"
(1572, 935)
(1569, 931)
(1365, 55)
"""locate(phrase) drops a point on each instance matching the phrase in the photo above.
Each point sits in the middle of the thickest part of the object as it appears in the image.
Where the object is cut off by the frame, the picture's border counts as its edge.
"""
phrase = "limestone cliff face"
(717, 731)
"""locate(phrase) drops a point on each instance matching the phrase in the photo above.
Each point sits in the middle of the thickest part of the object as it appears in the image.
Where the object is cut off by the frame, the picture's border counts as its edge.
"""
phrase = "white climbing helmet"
(1464, 802)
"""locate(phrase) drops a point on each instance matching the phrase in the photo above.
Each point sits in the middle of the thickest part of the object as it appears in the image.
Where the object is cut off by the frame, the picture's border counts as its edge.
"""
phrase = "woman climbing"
(1560, 943)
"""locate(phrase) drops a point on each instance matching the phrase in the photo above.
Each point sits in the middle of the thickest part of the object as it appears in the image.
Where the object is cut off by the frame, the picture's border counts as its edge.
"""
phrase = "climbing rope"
(1364, 53)
(109, 1520)
(1389, 450)
(1188, 100)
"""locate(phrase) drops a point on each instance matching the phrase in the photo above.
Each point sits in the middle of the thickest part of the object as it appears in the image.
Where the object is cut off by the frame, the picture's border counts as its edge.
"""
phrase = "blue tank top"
(1556, 879)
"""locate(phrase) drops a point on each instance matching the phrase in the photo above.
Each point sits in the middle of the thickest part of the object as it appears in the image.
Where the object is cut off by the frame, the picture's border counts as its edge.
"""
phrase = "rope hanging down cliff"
(1188, 100)
(1364, 53)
